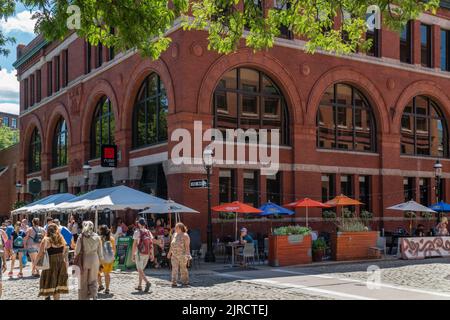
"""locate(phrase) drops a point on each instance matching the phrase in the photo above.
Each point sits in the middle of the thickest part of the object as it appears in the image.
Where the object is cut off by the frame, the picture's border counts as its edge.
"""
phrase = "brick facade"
(190, 74)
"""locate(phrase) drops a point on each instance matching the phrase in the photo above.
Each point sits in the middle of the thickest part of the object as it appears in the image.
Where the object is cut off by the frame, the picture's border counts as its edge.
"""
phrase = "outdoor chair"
(256, 251)
(381, 245)
(227, 255)
(248, 253)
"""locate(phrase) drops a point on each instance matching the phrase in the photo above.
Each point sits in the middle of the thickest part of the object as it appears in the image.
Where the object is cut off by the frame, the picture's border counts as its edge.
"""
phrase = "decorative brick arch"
(261, 61)
(138, 75)
(359, 81)
(58, 111)
(426, 88)
(32, 122)
(102, 88)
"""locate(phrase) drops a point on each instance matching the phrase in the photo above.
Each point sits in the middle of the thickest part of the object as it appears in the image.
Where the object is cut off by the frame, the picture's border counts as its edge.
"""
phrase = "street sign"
(109, 156)
(198, 184)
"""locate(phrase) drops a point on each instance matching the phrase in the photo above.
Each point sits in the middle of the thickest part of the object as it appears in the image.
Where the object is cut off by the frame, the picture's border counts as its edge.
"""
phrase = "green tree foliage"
(6, 10)
(8, 137)
(142, 24)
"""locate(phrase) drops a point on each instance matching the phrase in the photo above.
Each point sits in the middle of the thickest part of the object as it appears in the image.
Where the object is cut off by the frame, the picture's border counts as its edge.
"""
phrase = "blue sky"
(21, 27)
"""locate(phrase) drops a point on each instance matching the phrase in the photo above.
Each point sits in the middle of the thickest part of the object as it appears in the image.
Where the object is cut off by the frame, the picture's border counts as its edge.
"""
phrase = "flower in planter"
(319, 245)
(291, 230)
(410, 214)
(427, 215)
(352, 225)
(366, 215)
(347, 214)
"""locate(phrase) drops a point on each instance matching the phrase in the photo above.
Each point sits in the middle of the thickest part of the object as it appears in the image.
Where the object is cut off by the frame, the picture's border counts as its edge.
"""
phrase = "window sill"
(369, 153)
(149, 147)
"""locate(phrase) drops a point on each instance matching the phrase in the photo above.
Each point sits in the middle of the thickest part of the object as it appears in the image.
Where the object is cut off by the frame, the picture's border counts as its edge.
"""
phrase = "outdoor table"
(423, 247)
(233, 246)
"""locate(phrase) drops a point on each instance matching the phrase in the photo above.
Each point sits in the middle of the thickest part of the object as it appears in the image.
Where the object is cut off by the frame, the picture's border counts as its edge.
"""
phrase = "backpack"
(38, 236)
(18, 241)
(108, 252)
(145, 245)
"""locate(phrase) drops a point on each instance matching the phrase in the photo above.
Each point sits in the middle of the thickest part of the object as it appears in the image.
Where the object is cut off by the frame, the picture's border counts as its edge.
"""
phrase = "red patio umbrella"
(342, 201)
(236, 207)
(306, 203)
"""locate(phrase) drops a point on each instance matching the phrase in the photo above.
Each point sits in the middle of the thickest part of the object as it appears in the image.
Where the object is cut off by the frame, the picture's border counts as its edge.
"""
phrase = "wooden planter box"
(352, 245)
(289, 250)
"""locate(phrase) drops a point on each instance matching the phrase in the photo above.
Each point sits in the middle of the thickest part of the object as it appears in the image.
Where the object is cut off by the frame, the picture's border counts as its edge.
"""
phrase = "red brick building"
(367, 125)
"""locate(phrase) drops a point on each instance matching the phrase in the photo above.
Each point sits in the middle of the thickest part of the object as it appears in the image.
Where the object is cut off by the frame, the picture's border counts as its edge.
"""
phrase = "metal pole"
(438, 184)
(209, 256)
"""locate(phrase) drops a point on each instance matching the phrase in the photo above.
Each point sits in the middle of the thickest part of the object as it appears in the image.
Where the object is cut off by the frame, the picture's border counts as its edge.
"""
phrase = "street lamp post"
(208, 163)
(18, 188)
(438, 173)
(86, 169)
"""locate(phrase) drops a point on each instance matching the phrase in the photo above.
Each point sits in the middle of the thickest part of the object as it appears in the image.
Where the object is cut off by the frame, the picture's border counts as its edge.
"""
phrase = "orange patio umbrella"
(343, 201)
(307, 203)
(236, 207)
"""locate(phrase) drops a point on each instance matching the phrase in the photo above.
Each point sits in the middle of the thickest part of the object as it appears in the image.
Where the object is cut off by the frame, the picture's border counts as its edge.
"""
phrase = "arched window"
(150, 113)
(34, 157)
(247, 98)
(60, 143)
(424, 129)
(103, 126)
(345, 120)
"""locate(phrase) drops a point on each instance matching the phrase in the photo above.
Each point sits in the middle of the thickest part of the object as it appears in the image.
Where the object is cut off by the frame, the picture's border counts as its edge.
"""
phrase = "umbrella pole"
(236, 227)
(96, 220)
(307, 217)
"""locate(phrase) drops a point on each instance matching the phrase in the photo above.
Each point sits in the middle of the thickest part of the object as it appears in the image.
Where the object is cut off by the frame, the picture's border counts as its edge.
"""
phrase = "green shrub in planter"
(427, 215)
(319, 245)
(347, 214)
(352, 225)
(366, 215)
(410, 214)
(291, 230)
(329, 215)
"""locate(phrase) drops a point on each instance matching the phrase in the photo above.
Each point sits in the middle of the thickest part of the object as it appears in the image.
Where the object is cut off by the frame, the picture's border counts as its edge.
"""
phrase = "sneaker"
(147, 286)
(174, 285)
(186, 285)
(101, 288)
(107, 291)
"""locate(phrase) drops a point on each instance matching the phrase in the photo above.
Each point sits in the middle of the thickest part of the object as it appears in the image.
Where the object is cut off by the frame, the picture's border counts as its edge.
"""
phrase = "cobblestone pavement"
(204, 285)
(430, 274)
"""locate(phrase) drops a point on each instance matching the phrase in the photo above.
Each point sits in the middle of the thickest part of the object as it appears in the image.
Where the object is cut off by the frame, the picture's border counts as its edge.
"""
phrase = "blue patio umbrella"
(441, 206)
(271, 208)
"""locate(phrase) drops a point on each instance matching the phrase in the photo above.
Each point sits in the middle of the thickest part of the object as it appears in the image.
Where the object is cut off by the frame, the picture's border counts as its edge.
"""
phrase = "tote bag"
(44, 262)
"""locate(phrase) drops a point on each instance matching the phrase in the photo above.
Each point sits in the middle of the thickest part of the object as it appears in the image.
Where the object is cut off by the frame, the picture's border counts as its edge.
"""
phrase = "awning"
(45, 204)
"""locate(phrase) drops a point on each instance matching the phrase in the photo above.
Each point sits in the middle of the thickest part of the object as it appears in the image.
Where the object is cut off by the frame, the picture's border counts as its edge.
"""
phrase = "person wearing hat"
(142, 252)
(245, 237)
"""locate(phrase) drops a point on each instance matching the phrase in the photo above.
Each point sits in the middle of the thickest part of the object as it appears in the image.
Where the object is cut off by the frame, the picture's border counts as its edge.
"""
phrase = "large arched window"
(103, 126)
(60, 143)
(150, 113)
(424, 129)
(34, 156)
(345, 120)
(247, 98)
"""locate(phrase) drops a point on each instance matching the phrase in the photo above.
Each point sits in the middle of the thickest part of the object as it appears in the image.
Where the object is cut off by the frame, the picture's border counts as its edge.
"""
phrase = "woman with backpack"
(142, 252)
(88, 254)
(109, 251)
(54, 280)
(19, 250)
(34, 236)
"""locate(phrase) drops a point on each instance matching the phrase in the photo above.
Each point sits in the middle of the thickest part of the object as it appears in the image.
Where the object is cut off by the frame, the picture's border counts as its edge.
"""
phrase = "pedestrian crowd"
(52, 248)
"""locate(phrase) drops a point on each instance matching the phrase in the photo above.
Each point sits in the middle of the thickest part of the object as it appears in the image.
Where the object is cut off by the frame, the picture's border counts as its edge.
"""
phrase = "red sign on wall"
(109, 156)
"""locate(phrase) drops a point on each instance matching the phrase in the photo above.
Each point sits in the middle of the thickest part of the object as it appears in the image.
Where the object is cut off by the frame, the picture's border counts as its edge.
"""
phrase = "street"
(428, 279)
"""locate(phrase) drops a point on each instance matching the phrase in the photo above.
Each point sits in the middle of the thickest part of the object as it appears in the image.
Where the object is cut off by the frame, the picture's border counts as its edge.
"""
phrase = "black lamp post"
(438, 173)
(18, 189)
(208, 163)
(86, 169)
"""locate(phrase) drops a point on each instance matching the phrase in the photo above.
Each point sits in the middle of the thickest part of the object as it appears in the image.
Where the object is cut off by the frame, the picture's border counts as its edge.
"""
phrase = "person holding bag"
(179, 255)
(88, 254)
(54, 277)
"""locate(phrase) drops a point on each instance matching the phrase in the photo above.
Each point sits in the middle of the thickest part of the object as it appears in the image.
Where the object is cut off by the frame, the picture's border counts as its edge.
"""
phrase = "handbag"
(44, 262)
(78, 260)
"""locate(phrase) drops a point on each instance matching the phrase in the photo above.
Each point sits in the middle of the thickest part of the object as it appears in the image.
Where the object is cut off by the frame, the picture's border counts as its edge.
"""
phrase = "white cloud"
(10, 108)
(9, 89)
(21, 22)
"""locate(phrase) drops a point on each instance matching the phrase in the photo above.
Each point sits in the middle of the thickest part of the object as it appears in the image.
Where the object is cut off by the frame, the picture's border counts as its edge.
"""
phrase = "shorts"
(18, 250)
(33, 250)
(141, 261)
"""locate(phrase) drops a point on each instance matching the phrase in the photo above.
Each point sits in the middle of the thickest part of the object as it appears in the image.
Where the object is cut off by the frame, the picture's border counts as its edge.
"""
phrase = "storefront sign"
(109, 156)
(423, 247)
(198, 184)
(295, 238)
(123, 259)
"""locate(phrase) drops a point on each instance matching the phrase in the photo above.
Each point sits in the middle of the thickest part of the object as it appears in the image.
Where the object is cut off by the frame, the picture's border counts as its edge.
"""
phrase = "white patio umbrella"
(44, 204)
(410, 206)
(114, 198)
(169, 206)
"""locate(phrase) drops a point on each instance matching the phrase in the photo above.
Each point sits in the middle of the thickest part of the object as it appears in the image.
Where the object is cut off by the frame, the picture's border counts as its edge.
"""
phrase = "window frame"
(35, 149)
(336, 108)
(430, 104)
(99, 117)
(407, 43)
(426, 62)
(59, 150)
